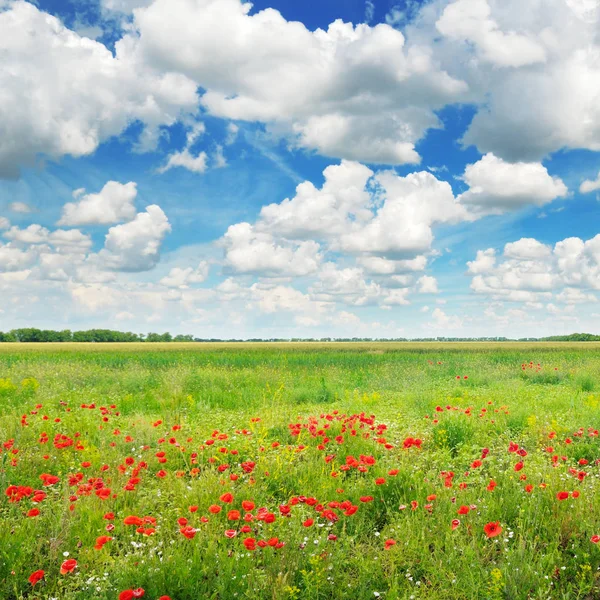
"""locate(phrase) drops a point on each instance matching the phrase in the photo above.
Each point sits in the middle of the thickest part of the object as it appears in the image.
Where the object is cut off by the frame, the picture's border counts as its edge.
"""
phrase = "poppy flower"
(101, 540)
(250, 543)
(562, 495)
(492, 529)
(38, 575)
(34, 512)
(188, 532)
(129, 594)
(248, 505)
(68, 566)
(463, 510)
(455, 523)
(233, 515)
(227, 498)
(214, 509)
(594, 539)
(308, 522)
(389, 543)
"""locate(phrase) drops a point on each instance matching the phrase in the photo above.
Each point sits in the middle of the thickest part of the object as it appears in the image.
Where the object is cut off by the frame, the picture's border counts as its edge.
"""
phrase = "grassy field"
(301, 471)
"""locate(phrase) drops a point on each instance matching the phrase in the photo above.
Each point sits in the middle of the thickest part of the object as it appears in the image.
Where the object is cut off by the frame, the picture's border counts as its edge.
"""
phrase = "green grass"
(544, 550)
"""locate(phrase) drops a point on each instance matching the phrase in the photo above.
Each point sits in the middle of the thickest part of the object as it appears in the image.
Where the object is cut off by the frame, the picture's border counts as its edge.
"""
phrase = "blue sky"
(302, 169)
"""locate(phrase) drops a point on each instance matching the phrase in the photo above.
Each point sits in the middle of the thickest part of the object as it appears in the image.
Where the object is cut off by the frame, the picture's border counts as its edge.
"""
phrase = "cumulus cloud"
(442, 322)
(402, 226)
(588, 185)
(63, 94)
(471, 21)
(183, 278)
(185, 159)
(496, 186)
(331, 89)
(427, 285)
(135, 246)
(533, 70)
(483, 263)
(113, 204)
(251, 251)
(529, 271)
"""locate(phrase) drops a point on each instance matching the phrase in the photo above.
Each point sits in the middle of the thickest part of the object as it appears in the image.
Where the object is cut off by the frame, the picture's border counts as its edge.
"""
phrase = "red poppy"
(101, 540)
(34, 512)
(455, 524)
(308, 522)
(68, 566)
(129, 594)
(36, 576)
(389, 544)
(250, 543)
(492, 529)
(233, 515)
(188, 532)
(227, 498)
(594, 539)
(248, 505)
(463, 510)
(214, 509)
(562, 495)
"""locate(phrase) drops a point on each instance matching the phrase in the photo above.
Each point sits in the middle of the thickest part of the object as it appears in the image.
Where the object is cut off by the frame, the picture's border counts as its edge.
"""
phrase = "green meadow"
(391, 470)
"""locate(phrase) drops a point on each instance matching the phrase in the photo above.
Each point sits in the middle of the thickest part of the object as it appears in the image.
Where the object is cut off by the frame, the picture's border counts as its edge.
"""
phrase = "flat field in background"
(319, 435)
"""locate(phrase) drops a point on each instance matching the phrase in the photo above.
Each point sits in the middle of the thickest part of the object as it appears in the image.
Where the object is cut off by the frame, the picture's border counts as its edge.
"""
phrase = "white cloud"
(113, 204)
(496, 186)
(534, 74)
(590, 186)
(185, 159)
(15, 259)
(402, 226)
(218, 158)
(471, 21)
(369, 11)
(182, 278)
(443, 322)
(33, 234)
(331, 88)
(135, 246)
(251, 251)
(527, 249)
(345, 284)
(63, 94)
(397, 297)
(529, 271)
(483, 263)
(232, 133)
(427, 285)
(282, 298)
(4, 223)
(322, 213)
(20, 207)
(383, 266)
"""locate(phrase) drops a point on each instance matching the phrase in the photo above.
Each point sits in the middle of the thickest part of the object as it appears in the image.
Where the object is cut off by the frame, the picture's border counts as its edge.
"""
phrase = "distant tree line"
(30, 334)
